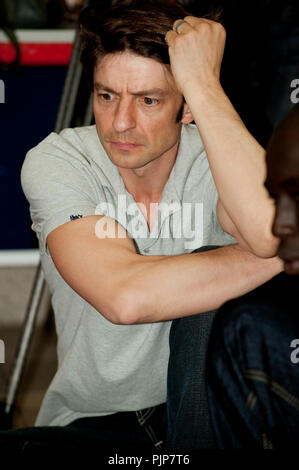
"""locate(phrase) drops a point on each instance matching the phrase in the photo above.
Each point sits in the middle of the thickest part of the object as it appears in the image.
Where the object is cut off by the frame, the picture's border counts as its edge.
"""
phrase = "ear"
(186, 115)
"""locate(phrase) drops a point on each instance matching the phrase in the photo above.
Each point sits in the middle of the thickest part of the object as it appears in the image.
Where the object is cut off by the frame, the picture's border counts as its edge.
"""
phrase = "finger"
(169, 37)
(181, 26)
(192, 20)
(197, 22)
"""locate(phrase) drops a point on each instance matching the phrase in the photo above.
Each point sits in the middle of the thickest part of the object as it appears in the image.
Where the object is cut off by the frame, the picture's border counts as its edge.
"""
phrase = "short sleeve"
(58, 185)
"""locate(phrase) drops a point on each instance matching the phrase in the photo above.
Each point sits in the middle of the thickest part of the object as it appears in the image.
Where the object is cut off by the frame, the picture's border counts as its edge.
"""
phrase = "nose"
(124, 116)
(286, 218)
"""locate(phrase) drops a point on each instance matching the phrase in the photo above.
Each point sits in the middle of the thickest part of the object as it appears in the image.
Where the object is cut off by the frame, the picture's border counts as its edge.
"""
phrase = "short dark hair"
(138, 26)
(133, 25)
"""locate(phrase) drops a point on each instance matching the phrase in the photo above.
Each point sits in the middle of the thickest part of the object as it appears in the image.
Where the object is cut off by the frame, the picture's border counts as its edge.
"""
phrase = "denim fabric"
(188, 419)
(253, 385)
(142, 430)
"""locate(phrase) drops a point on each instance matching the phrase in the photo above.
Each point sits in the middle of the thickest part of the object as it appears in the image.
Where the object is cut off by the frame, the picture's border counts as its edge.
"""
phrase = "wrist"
(207, 91)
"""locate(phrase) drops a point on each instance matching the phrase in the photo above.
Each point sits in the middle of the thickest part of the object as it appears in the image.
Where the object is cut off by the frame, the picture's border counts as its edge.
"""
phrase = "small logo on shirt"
(73, 217)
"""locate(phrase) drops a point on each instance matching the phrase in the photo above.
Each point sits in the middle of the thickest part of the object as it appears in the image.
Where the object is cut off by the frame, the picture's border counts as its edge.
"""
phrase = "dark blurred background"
(260, 74)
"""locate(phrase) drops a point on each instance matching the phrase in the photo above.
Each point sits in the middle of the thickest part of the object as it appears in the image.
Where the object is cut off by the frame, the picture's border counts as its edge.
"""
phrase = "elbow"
(265, 247)
(130, 302)
(124, 309)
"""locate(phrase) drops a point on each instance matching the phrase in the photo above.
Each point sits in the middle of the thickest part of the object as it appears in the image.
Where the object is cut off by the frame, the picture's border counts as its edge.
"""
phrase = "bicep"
(94, 265)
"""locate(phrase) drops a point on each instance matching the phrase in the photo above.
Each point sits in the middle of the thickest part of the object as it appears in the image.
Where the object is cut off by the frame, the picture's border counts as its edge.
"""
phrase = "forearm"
(237, 162)
(165, 288)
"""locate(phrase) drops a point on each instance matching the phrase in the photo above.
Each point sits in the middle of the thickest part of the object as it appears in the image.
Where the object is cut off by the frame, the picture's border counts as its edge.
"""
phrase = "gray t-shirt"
(104, 368)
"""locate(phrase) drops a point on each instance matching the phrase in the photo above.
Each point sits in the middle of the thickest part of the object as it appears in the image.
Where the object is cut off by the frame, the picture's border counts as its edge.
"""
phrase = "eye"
(150, 101)
(106, 96)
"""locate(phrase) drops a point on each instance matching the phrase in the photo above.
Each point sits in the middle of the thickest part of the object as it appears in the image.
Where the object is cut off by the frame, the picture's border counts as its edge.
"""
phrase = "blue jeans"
(253, 382)
(188, 418)
(126, 431)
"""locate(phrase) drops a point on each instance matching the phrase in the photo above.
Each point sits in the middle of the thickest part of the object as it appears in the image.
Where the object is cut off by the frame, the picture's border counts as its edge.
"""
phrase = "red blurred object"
(47, 47)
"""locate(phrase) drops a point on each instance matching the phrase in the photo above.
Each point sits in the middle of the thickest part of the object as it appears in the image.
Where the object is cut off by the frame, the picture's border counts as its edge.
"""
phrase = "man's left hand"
(196, 51)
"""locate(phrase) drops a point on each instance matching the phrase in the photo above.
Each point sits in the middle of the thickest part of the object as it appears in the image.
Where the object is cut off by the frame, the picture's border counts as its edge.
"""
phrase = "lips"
(125, 145)
(291, 266)
(288, 251)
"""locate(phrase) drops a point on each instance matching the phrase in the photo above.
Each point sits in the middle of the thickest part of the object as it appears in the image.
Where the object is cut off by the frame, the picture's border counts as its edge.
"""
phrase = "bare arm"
(236, 159)
(129, 288)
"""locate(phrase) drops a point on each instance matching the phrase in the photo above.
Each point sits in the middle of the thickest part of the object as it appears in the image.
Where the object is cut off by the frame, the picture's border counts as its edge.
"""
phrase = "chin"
(128, 162)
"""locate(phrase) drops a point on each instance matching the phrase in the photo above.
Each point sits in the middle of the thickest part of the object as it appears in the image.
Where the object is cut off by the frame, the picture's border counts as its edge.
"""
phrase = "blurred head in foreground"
(282, 182)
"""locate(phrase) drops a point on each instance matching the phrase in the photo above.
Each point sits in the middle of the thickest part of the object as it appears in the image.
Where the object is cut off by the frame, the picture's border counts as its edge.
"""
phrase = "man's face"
(135, 107)
(283, 184)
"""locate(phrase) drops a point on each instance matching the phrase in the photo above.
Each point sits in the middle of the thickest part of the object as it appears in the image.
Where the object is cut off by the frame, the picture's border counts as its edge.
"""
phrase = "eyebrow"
(153, 91)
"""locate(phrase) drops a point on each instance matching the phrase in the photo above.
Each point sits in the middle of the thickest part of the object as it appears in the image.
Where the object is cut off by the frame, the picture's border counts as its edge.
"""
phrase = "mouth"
(291, 266)
(288, 251)
(125, 145)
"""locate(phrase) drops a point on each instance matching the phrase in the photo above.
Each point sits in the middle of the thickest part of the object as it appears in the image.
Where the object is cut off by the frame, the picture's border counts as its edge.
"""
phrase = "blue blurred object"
(32, 96)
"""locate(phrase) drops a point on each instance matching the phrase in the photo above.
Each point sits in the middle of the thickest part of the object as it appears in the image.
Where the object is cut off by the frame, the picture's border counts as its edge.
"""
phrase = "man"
(253, 366)
(283, 185)
(119, 208)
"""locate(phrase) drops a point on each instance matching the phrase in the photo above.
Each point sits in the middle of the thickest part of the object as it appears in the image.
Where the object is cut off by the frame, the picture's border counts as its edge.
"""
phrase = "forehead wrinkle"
(145, 72)
(154, 91)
